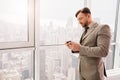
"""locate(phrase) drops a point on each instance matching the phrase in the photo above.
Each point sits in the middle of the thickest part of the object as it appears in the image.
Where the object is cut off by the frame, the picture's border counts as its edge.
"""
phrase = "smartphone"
(68, 41)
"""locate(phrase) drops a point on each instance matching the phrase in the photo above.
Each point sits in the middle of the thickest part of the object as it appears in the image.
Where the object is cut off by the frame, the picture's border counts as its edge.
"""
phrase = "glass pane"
(57, 21)
(13, 20)
(118, 35)
(109, 60)
(58, 25)
(16, 65)
(105, 14)
(57, 63)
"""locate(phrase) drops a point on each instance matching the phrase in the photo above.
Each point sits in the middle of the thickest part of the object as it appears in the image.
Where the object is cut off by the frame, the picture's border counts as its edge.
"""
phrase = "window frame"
(117, 40)
(24, 49)
(30, 42)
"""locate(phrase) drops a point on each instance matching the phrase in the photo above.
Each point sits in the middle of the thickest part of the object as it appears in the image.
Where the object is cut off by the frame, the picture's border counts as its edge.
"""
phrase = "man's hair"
(85, 10)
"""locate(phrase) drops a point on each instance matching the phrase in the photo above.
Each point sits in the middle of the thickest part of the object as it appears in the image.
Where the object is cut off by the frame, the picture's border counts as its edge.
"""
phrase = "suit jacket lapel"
(89, 31)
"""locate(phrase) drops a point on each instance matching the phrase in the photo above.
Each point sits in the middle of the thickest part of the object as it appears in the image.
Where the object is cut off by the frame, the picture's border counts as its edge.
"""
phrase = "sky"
(102, 10)
(59, 9)
(14, 11)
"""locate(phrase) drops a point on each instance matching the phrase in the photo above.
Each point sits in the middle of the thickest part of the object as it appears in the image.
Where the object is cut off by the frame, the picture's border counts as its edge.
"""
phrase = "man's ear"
(89, 15)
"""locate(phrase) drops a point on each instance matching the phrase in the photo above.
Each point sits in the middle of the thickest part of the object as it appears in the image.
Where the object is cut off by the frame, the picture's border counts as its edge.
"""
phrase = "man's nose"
(81, 23)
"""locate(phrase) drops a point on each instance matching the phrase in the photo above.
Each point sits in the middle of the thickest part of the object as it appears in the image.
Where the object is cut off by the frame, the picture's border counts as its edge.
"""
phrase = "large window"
(57, 63)
(117, 39)
(16, 65)
(17, 40)
(16, 23)
(13, 20)
(119, 36)
(106, 15)
(58, 25)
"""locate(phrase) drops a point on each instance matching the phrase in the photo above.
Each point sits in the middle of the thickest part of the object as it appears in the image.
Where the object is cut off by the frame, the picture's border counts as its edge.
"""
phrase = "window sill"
(113, 74)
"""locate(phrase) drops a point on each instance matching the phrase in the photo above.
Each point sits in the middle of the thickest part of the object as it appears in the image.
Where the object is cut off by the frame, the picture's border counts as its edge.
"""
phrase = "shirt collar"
(91, 24)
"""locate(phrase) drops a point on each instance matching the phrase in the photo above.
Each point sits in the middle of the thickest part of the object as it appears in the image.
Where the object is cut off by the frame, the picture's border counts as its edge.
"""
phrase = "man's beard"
(86, 24)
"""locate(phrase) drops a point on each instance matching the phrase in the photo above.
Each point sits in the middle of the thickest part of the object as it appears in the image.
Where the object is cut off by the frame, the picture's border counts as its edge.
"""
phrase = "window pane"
(105, 14)
(118, 35)
(16, 65)
(109, 60)
(58, 63)
(57, 21)
(58, 25)
(13, 20)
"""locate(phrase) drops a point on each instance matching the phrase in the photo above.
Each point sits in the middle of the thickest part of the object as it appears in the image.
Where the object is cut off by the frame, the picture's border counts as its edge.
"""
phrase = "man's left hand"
(73, 46)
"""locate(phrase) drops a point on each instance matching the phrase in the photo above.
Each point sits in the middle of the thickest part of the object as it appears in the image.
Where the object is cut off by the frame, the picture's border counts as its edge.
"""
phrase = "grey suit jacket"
(94, 45)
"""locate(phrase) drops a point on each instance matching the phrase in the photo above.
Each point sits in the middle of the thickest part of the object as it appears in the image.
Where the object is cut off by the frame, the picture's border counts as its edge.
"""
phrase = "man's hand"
(73, 46)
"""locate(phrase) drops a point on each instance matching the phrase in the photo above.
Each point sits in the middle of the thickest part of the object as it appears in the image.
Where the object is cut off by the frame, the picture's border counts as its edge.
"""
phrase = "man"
(94, 44)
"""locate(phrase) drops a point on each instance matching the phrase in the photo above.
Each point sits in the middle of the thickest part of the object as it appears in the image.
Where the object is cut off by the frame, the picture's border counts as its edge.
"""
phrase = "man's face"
(83, 19)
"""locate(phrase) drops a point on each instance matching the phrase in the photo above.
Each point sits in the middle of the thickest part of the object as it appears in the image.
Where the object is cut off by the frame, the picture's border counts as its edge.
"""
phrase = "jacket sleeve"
(102, 47)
